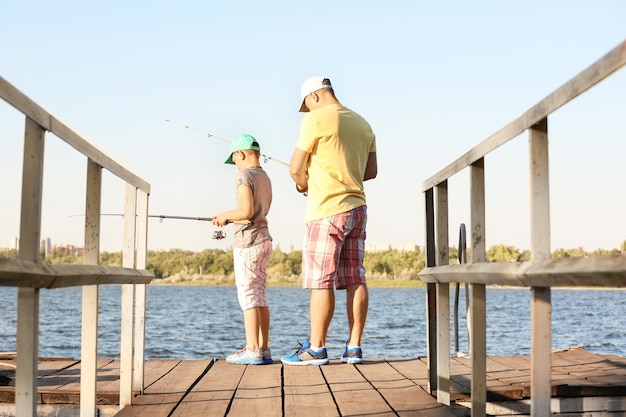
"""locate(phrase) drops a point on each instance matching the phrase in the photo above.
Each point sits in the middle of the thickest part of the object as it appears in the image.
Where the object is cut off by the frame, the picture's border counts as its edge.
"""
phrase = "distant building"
(46, 246)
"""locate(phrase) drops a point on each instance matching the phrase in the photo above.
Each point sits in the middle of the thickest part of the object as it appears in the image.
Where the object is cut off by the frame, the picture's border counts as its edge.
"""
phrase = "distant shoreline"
(231, 283)
(373, 283)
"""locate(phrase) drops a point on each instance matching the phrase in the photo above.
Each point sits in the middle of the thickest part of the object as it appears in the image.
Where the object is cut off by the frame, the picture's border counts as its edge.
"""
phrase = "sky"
(434, 79)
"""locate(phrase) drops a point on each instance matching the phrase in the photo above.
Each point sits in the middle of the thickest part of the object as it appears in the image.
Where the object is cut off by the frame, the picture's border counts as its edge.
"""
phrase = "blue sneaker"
(304, 355)
(353, 355)
(267, 356)
(246, 357)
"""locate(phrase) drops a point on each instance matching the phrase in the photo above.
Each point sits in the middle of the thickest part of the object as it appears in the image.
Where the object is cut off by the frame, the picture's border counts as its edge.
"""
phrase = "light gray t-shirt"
(252, 234)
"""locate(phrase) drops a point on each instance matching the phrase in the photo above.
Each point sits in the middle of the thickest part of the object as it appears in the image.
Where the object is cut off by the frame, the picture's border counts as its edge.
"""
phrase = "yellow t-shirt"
(339, 142)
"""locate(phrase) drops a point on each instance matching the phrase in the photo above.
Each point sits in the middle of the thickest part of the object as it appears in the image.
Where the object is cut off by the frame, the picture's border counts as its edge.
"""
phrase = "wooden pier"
(582, 382)
(572, 382)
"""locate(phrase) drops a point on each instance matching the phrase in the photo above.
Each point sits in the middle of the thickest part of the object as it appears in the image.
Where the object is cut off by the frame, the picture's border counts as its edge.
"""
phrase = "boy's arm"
(245, 211)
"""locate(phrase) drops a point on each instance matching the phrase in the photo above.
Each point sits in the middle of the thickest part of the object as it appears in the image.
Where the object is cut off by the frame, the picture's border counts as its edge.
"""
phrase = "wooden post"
(128, 298)
(540, 304)
(478, 309)
(431, 293)
(140, 296)
(91, 256)
(27, 339)
(443, 297)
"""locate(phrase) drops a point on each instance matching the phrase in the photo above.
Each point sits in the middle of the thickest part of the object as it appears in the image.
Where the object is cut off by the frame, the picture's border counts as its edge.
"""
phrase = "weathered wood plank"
(45, 368)
(593, 271)
(165, 394)
(415, 370)
(403, 395)
(378, 387)
(156, 368)
(259, 392)
(306, 392)
(351, 391)
(212, 395)
(63, 387)
(19, 273)
(577, 356)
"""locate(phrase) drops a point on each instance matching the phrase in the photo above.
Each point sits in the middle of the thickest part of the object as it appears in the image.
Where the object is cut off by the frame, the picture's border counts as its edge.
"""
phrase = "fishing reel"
(218, 235)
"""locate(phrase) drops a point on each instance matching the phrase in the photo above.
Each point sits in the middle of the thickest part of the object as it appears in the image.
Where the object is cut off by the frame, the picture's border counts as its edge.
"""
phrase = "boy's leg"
(264, 327)
(252, 324)
(252, 293)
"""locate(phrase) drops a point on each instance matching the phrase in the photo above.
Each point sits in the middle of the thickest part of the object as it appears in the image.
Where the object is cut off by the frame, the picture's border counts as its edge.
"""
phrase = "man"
(334, 155)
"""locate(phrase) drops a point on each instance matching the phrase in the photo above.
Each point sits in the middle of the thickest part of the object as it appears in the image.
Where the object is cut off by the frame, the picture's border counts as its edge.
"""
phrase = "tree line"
(385, 265)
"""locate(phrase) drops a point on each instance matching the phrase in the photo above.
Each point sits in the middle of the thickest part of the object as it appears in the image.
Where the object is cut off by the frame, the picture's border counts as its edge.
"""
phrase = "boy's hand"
(220, 220)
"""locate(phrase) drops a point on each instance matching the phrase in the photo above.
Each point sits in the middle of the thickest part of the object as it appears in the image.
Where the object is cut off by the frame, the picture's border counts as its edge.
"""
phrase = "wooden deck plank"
(414, 369)
(378, 387)
(212, 395)
(351, 391)
(520, 363)
(63, 387)
(165, 394)
(45, 369)
(306, 392)
(154, 369)
(403, 395)
(576, 356)
(615, 360)
(460, 379)
(259, 392)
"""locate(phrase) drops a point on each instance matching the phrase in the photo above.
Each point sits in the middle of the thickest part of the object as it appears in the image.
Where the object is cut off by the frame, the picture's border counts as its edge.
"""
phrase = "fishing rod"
(163, 216)
(218, 234)
(210, 135)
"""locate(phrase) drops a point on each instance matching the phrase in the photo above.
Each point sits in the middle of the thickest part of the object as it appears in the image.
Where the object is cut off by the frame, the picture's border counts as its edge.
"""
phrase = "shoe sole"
(315, 362)
(352, 360)
(246, 362)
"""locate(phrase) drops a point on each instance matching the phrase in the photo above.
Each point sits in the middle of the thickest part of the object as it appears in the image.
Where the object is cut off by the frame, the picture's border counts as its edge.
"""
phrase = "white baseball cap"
(310, 85)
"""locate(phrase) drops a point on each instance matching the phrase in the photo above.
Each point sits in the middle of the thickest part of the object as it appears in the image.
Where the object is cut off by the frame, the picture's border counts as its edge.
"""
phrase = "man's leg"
(321, 309)
(357, 300)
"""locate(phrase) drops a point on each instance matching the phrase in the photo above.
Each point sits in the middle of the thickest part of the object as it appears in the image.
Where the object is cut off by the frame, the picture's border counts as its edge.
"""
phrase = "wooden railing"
(539, 274)
(30, 275)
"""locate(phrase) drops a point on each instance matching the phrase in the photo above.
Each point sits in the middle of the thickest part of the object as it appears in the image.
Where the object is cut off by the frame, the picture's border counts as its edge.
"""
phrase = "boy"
(253, 246)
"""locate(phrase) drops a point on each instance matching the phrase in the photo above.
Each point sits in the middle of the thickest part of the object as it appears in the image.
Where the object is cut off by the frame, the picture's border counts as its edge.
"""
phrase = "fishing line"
(210, 135)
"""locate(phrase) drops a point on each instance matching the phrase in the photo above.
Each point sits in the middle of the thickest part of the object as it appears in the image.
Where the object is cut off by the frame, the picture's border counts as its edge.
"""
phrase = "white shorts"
(251, 274)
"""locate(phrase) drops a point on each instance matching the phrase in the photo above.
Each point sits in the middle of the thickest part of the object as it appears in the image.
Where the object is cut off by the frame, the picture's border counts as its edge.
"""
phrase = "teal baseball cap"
(241, 143)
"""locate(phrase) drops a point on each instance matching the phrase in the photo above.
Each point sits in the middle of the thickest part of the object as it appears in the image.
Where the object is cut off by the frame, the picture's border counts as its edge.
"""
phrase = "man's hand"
(302, 190)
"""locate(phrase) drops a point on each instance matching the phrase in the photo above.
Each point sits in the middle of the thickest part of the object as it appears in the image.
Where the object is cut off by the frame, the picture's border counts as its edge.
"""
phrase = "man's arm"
(297, 169)
(371, 169)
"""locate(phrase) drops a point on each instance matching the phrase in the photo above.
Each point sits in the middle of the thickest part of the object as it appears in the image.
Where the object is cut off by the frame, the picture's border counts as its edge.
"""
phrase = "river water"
(192, 322)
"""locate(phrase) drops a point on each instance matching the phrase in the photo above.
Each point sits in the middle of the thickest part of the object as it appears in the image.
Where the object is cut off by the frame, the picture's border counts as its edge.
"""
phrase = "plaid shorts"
(251, 274)
(333, 250)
